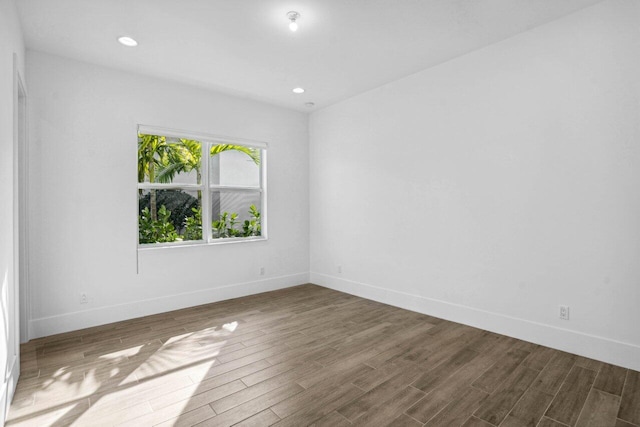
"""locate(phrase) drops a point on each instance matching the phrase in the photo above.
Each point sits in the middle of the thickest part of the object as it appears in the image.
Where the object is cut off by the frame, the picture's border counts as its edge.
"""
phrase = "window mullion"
(235, 188)
(206, 194)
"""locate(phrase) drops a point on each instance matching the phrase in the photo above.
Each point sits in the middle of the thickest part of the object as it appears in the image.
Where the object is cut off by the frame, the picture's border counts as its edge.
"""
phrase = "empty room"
(328, 213)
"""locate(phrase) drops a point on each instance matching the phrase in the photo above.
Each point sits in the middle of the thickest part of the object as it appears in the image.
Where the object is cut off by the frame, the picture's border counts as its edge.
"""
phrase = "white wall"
(83, 199)
(495, 187)
(10, 43)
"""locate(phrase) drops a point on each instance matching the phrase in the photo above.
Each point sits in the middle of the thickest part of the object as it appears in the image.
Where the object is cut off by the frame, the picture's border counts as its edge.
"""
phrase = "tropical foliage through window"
(182, 198)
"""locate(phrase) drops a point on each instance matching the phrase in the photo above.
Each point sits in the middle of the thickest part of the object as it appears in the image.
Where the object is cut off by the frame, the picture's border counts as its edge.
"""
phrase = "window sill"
(197, 243)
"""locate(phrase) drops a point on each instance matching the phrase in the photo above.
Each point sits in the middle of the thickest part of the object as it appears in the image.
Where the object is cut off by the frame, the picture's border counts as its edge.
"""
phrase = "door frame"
(21, 212)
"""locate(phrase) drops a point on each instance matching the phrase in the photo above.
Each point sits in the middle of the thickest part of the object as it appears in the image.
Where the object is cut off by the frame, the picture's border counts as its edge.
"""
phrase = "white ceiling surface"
(244, 47)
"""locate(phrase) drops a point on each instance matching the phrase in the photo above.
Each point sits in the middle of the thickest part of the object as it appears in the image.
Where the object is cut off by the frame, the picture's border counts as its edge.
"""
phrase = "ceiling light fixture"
(293, 17)
(127, 41)
(298, 90)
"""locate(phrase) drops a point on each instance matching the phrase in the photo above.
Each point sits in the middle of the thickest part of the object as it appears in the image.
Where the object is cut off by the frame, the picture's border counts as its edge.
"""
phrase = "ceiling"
(245, 48)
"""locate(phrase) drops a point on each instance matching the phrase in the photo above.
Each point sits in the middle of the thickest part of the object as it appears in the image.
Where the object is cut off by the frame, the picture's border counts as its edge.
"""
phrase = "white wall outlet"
(564, 312)
(262, 271)
(340, 269)
(83, 298)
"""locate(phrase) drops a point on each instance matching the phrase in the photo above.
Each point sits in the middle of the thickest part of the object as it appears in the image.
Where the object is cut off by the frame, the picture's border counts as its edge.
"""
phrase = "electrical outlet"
(340, 269)
(564, 312)
(83, 298)
(262, 271)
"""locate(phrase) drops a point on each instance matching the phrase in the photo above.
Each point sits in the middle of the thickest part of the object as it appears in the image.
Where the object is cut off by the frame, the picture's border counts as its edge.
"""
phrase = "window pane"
(169, 216)
(235, 213)
(168, 160)
(235, 165)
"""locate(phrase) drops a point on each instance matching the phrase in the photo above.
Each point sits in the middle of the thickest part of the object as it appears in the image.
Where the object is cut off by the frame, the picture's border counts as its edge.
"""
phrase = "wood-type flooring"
(308, 355)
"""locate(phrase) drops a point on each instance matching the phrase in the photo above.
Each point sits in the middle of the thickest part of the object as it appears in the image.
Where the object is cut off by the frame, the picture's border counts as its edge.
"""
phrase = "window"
(195, 188)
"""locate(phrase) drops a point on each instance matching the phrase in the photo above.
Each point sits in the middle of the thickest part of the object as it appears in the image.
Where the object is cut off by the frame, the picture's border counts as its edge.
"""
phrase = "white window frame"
(207, 141)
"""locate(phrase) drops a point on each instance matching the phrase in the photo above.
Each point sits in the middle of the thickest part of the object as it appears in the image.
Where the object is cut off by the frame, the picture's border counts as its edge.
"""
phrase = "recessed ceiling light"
(127, 41)
(298, 90)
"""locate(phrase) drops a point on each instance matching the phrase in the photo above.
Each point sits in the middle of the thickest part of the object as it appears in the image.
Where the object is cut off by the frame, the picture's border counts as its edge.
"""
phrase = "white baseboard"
(591, 346)
(103, 315)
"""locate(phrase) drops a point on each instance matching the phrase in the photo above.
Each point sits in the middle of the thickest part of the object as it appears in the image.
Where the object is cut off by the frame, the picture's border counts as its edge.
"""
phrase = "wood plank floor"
(311, 356)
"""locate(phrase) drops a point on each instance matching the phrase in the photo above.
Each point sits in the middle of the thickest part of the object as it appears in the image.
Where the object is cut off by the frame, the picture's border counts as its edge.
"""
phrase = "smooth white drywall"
(11, 44)
(495, 187)
(83, 197)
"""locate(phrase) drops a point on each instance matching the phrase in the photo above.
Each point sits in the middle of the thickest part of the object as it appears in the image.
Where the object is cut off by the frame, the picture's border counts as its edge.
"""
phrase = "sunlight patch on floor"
(163, 372)
(230, 326)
